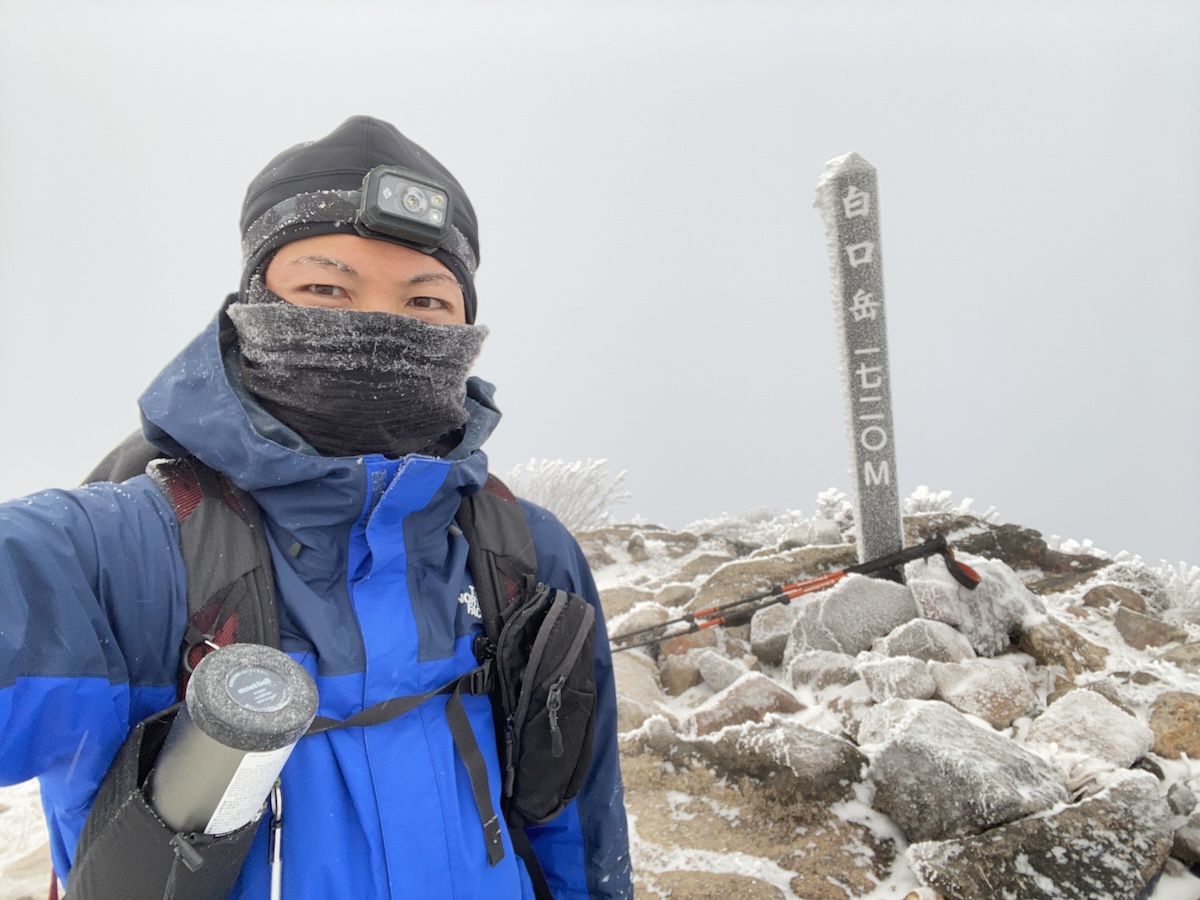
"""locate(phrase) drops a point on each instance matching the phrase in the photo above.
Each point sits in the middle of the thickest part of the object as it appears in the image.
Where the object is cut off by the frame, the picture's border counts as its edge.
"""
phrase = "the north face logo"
(471, 599)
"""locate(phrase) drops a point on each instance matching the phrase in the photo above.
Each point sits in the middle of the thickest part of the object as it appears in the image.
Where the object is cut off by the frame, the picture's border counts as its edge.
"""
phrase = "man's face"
(344, 271)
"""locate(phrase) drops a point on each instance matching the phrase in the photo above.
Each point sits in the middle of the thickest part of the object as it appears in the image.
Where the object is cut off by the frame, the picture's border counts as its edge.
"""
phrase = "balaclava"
(352, 382)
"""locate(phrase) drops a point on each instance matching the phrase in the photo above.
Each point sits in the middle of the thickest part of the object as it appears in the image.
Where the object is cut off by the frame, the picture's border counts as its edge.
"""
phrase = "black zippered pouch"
(545, 667)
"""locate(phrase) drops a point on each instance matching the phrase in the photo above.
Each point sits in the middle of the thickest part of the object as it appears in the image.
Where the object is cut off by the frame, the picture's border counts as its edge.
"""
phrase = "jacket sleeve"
(584, 851)
(90, 598)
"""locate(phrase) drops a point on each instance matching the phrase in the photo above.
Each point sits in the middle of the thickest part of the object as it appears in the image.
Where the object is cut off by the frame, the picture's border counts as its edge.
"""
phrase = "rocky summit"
(1032, 739)
(1035, 738)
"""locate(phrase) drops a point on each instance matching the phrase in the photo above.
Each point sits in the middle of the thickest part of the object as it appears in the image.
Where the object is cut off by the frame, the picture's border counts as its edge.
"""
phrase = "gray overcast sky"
(653, 273)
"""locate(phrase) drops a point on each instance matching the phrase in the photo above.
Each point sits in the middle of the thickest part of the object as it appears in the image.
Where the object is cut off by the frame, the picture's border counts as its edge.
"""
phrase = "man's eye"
(325, 290)
(427, 303)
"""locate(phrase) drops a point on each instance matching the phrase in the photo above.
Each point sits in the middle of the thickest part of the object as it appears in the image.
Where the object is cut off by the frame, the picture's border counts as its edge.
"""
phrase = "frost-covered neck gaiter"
(352, 382)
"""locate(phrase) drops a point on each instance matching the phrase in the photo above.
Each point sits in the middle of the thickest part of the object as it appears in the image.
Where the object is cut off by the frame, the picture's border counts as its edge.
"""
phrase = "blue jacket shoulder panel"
(89, 644)
(72, 604)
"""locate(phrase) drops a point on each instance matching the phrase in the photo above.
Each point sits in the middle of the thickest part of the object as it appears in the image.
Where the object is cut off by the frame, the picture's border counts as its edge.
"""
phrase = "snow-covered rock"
(939, 775)
(993, 690)
(1107, 846)
(748, 699)
(1175, 721)
(903, 677)
(928, 640)
(770, 630)
(820, 669)
(851, 616)
(718, 670)
(638, 693)
(995, 611)
(1084, 722)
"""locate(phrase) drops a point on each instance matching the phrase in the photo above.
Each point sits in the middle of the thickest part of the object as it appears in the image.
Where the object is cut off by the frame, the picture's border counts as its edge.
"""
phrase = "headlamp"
(402, 204)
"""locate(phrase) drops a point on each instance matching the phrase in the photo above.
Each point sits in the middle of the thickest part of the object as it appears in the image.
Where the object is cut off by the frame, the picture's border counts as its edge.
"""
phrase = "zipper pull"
(510, 770)
(553, 704)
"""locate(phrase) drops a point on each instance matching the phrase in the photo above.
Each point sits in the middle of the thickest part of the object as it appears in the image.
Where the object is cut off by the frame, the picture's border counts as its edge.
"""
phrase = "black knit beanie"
(315, 188)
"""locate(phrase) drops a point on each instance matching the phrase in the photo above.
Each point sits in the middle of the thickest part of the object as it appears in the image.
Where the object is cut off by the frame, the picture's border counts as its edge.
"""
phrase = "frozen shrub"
(580, 494)
(923, 500)
(833, 505)
(1182, 583)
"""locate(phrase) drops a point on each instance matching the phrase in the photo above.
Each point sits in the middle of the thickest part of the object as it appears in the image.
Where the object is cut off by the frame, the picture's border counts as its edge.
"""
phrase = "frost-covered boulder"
(849, 705)
(1084, 722)
(1051, 642)
(686, 643)
(901, 677)
(619, 600)
(1107, 846)
(851, 616)
(1141, 631)
(820, 669)
(939, 775)
(996, 610)
(643, 614)
(789, 759)
(1186, 846)
(701, 564)
(934, 590)
(991, 689)
(718, 670)
(674, 594)
(678, 673)
(1181, 799)
(748, 699)
(924, 639)
(769, 632)
(1175, 721)
(1106, 595)
(638, 693)
(1187, 657)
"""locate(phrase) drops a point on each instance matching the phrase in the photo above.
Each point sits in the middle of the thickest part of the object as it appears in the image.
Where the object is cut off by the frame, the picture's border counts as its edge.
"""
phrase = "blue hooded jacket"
(370, 575)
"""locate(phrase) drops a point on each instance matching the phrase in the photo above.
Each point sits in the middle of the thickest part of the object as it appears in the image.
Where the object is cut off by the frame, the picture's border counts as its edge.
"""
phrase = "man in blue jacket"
(332, 387)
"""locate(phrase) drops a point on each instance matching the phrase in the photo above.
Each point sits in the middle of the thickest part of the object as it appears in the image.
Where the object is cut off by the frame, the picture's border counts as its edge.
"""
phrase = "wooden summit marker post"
(848, 198)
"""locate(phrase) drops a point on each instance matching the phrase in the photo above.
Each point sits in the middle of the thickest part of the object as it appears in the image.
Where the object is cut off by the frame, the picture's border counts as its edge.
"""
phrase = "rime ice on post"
(848, 198)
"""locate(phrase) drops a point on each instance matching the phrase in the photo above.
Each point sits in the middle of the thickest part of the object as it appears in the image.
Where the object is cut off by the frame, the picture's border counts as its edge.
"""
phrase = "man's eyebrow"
(327, 262)
(432, 276)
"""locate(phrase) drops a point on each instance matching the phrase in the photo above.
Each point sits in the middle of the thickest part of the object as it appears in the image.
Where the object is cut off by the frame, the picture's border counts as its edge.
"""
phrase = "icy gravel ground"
(22, 829)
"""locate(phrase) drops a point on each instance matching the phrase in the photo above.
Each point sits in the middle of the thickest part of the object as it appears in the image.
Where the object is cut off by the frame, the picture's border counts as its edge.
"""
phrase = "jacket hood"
(197, 405)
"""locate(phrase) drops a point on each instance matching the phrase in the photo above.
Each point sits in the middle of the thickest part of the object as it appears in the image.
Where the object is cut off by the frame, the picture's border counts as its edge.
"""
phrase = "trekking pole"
(275, 842)
(740, 611)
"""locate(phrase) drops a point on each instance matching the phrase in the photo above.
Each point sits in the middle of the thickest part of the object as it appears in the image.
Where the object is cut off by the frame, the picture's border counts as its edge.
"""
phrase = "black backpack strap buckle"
(479, 681)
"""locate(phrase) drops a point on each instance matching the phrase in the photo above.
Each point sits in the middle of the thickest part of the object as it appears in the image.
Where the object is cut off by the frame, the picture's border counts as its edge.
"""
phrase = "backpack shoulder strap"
(230, 576)
(500, 550)
(502, 558)
(124, 461)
